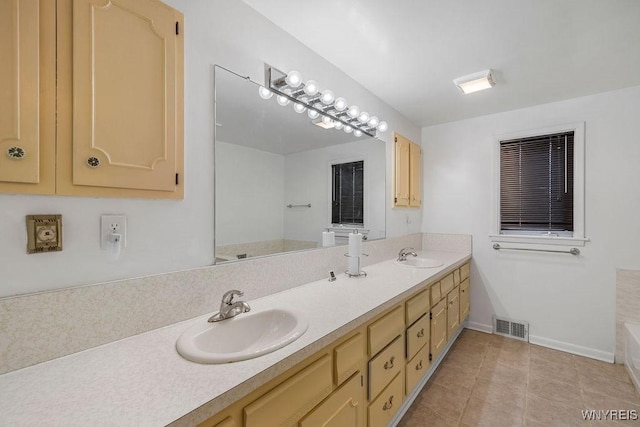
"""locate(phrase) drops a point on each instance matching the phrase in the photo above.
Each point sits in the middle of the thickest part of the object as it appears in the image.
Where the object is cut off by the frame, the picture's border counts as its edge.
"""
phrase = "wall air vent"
(511, 328)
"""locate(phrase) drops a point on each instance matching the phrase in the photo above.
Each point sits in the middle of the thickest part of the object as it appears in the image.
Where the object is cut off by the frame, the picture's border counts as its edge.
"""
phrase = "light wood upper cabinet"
(408, 173)
(92, 93)
(27, 96)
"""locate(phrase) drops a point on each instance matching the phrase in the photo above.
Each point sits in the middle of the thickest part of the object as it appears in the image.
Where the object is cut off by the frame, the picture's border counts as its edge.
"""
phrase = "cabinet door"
(402, 176)
(438, 328)
(344, 407)
(464, 300)
(27, 96)
(453, 312)
(415, 175)
(127, 94)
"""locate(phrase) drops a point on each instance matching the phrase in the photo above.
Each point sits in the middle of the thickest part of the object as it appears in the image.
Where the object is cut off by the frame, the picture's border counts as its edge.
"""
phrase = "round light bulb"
(264, 93)
(363, 117)
(353, 111)
(327, 97)
(348, 129)
(373, 121)
(293, 79)
(313, 114)
(338, 125)
(357, 133)
(340, 104)
(326, 120)
(299, 108)
(311, 88)
(383, 126)
(282, 100)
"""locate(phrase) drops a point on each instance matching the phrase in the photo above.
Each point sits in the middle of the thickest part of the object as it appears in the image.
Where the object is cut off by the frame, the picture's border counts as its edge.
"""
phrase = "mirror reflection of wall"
(268, 157)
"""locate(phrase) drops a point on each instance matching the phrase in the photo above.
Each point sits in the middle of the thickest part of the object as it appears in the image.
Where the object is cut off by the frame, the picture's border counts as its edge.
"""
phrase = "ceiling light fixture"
(335, 112)
(475, 82)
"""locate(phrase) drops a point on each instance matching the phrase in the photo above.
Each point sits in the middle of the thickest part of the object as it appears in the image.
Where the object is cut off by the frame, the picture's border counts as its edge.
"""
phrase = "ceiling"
(407, 52)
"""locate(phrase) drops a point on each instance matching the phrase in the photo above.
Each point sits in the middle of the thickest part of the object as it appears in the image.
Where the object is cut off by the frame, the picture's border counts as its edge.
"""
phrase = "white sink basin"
(242, 337)
(418, 262)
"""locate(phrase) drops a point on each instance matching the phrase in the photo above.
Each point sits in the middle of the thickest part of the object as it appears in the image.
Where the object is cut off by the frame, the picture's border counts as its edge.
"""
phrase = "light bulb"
(383, 126)
(348, 129)
(282, 100)
(363, 117)
(264, 93)
(338, 125)
(293, 79)
(340, 104)
(326, 120)
(357, 133)
(353, 111)
(311, 88)
(373, 121)
(299, 108)
(313, 114)
(327, 97)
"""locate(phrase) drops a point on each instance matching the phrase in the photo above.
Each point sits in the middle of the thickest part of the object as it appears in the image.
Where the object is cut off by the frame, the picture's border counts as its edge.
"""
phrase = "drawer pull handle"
(16, 153)
(389, 363)
(420, 333)
(388, 404)
(93, 162)
(419, 366)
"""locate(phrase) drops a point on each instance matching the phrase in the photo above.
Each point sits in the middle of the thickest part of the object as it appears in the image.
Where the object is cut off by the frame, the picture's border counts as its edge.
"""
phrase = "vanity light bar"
(291, 87)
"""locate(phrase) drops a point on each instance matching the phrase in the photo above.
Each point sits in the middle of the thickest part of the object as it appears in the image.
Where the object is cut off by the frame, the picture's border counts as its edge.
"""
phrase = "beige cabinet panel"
(27, 96)
(227, 422)
(286, 404)
(124, 79)
(438, 328)
(436, 293)
(402, 177)
(453, 312)
(465, 302)
(446, 285)
(464, 271)
(344, 407)
(418, 335)
(416, 368)
(415, 175)
(385, 366)
(349, 357)
(384, 330)
(386, 405)
(417, 306)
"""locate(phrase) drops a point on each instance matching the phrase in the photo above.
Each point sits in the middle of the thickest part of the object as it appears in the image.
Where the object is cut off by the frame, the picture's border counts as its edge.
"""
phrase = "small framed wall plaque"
(44, 233)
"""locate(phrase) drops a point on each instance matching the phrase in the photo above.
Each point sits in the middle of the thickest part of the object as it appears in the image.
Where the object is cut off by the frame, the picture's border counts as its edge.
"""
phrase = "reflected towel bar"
(572, 251)
(308, 205)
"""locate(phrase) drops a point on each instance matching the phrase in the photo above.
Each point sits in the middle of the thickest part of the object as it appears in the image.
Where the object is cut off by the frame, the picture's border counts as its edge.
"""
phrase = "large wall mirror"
(281, 180)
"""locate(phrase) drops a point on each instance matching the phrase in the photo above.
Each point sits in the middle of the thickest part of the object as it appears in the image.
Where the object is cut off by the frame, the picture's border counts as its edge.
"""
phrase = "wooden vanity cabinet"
(465, 302)
(408, 173)
(97, 105)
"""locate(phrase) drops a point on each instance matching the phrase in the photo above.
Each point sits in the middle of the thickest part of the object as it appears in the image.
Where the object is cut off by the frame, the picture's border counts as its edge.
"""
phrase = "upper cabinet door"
(27, 75)
(127, 94)
(415, 175)
(401, 182)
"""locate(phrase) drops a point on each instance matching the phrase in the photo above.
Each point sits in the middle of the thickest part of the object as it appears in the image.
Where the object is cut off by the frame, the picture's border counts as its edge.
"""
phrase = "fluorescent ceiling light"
(475, 82)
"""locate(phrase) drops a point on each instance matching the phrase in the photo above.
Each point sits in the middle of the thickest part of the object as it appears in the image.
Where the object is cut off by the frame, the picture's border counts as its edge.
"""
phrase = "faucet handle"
(404, 250)
(227, 298)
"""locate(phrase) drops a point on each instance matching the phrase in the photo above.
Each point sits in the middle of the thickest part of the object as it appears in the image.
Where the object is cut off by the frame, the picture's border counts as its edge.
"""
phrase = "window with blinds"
(347, 205)
(536, 185)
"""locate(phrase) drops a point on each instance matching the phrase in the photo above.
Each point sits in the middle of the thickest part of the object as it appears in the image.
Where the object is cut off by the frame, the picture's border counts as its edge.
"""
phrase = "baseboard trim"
(591, 353)
(480, 327)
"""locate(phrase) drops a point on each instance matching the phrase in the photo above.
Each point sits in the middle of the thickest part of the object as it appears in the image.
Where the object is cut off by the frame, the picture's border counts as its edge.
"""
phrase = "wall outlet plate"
(113, 224)
(44, 233)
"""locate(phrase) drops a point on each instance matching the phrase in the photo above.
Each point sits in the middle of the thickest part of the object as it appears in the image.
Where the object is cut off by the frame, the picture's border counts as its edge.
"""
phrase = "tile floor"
(488, 380)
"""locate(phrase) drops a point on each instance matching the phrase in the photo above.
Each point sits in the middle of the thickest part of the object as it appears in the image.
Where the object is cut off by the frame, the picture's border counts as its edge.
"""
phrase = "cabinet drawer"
(345, 407)
(416, 368)
(446, 284)
(349, 357)
(385, 366)
(456, 277)
(289, 401)
(436, 294)
(386, 405)
(384, 330)
(464, 271)
(417, 306)
(417, 336)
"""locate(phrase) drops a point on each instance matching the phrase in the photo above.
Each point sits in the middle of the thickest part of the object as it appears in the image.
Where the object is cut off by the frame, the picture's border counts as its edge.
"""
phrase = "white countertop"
(143, 381)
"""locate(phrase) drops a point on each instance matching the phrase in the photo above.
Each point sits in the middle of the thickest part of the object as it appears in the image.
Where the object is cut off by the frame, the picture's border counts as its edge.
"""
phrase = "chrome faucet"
(229, 308)
(402, 255)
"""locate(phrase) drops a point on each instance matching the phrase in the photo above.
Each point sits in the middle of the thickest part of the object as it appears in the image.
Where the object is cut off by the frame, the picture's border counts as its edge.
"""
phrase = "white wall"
(249, 195)
(569, 301)
(308, 180)
(172, 235)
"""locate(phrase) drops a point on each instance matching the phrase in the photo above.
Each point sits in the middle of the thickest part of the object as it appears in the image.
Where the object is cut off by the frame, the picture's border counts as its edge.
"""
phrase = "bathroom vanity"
(372, 342)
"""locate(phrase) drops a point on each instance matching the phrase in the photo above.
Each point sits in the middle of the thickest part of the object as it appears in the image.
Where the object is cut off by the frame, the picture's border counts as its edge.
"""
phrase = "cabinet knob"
(93, 162)
(388, 404)
(389, 363)
(16, 153)
(420, 333)
(419, 365)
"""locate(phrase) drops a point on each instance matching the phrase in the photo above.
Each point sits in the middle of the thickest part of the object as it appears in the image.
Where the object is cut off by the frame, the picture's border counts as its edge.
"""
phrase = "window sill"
(539, 240)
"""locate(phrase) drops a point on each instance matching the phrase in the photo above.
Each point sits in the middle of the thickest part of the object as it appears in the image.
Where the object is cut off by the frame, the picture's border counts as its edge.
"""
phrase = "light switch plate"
(113, 223)
(44, 233)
